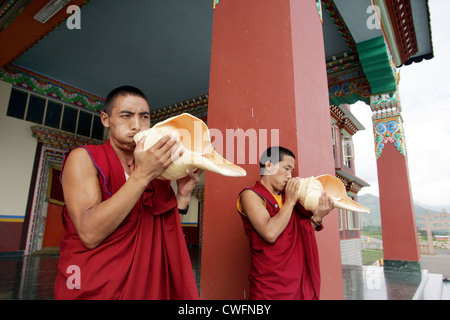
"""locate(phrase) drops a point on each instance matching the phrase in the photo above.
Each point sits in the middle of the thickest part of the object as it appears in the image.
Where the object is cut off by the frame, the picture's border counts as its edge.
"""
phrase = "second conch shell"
(311, 188)
(196, 141)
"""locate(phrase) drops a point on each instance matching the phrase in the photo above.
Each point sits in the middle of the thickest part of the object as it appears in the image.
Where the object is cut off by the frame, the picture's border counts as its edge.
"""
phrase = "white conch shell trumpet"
(196, 141)
(311, 188)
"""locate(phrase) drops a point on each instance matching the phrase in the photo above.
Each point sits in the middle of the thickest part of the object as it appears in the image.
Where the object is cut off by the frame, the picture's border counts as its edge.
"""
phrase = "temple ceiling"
(164, 47)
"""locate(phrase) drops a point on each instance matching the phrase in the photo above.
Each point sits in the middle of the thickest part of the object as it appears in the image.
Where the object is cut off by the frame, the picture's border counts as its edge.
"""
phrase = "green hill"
(373, 219)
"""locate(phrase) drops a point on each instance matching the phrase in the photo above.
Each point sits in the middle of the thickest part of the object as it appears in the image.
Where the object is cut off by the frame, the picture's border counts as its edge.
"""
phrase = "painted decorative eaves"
(347, 82)
(376, 63)
(403, 26)
(406, 27)
(49, 87)
(10, 10)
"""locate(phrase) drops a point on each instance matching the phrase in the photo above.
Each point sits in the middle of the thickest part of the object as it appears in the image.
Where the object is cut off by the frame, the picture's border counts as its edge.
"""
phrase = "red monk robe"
(288, 269)
(144, 258)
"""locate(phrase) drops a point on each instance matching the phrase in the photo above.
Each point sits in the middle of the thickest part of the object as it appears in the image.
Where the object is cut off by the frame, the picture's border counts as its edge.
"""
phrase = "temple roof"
(164, 47)
(404, 24)
(376, 39)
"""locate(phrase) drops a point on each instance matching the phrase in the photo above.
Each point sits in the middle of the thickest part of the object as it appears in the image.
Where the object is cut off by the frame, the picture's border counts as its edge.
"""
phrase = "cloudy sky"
(425, 100)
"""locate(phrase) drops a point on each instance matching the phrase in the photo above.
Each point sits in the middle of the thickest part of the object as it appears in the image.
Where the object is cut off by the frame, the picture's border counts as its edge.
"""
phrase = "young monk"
(284, 256)
(123, 236)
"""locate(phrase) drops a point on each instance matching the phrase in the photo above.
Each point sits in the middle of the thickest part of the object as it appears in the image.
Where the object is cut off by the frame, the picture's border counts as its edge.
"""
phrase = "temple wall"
(351, 251)
(16, 166)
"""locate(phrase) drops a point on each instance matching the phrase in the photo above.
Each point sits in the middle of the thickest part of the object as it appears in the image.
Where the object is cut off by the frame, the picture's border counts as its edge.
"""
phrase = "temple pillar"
(268, 83)
(398, 223)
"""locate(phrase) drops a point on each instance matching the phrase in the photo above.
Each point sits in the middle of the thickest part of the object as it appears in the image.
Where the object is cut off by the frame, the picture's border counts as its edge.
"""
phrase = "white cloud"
(425, 99)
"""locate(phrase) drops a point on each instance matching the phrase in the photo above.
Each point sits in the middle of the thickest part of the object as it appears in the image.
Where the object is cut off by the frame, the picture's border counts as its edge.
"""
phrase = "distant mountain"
(374, 219)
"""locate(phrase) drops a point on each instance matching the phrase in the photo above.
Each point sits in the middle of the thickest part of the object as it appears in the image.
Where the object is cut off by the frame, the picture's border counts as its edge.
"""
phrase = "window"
(347, 150)
(97, 128)
(41, 110)
(36, 109)
(335, 143)
(69, 121)
(352, 220)
(333, 135)
(17, 104)
(53, 114)
(84, 123)
(340, 214)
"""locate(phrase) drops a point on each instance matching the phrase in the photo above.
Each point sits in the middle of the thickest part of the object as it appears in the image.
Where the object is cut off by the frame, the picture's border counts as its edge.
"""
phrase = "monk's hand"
(291, 190)
(325, 206)
(151, 163)
(186, 185)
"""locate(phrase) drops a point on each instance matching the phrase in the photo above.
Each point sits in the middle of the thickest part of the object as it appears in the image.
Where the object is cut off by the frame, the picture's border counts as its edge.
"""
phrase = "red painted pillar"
(398, 223)
(267, 73)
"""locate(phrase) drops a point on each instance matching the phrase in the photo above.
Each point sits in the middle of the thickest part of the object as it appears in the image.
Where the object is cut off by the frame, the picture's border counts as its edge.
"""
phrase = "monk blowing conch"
(284, 256)
(123, 236)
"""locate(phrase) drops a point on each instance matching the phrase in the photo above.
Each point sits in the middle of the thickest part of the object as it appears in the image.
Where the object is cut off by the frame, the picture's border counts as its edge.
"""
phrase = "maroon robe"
(287, 269)
(144, 258)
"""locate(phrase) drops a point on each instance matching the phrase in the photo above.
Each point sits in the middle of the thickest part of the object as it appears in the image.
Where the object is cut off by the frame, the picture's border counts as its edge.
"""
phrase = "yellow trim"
(239, 206)
(279, 199)
(189, 224)
(12, 220)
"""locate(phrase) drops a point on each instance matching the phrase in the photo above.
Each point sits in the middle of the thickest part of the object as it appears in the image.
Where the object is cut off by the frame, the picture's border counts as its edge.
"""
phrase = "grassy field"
(370, 256)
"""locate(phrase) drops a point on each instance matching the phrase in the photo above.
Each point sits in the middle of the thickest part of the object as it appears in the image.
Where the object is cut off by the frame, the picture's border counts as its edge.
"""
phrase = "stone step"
(430, 287)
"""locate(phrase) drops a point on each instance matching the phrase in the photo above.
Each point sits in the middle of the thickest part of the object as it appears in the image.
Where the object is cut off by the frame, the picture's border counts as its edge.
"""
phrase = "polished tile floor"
(32, 278)
(373, 283)
(28, 277)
